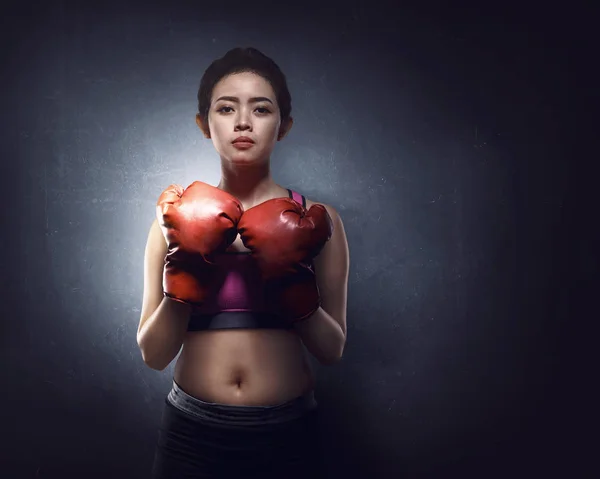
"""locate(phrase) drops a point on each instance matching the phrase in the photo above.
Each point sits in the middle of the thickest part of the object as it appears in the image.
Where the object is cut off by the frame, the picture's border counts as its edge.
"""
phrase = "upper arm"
(332, 270)
(154, 261)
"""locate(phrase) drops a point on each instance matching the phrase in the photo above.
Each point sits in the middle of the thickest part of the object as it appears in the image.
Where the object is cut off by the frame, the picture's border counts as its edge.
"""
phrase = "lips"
(243, 139)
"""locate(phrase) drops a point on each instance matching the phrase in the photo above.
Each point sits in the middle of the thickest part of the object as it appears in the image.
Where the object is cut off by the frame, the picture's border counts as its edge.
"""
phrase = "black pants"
(226, 442)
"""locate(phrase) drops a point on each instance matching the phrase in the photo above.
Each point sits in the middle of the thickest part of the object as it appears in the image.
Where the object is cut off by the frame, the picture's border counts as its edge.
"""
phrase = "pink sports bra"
(237, 296)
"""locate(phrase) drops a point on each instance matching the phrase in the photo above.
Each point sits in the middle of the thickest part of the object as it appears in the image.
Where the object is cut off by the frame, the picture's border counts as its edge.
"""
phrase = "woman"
(243, 276)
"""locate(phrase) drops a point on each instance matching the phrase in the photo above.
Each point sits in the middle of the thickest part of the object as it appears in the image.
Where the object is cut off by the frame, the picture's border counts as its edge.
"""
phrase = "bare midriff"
(249, 367)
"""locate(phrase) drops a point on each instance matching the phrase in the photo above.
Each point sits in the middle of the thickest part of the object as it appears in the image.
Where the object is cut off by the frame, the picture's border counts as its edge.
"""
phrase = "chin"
(240, 160)
(244, 158)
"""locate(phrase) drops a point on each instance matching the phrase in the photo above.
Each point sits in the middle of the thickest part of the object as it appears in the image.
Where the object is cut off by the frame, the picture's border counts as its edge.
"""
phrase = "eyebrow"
(255, 99)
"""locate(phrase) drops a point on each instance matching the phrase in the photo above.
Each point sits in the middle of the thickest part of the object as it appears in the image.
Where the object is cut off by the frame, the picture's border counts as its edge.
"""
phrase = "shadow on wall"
(428, 386)
(356, 395)
(81, 405)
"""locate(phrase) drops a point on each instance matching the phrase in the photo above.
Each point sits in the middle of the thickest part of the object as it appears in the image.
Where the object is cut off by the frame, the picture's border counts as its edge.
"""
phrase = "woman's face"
(243, 105)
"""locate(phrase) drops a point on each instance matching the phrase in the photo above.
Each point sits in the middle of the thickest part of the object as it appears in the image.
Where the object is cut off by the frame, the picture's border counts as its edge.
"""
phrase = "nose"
(243, 122)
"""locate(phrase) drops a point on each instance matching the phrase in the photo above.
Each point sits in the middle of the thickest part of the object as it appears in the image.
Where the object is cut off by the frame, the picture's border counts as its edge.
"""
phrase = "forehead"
(243, 85)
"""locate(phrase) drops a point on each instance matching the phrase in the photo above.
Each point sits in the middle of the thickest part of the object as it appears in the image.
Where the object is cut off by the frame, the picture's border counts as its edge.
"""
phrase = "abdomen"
(244, 367)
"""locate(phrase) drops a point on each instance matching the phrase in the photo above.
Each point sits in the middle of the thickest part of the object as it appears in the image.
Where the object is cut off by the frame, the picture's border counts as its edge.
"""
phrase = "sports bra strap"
(297, 197)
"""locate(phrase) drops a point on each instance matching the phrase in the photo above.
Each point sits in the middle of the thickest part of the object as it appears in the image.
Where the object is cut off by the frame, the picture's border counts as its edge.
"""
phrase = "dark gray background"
(438, 135)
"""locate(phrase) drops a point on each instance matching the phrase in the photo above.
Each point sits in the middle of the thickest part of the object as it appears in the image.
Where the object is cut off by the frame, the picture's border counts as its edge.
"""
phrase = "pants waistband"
(235, 415)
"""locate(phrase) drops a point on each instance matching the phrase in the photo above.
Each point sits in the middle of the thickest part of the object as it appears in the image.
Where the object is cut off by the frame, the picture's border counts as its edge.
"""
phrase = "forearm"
(322, 336)
(160, 337)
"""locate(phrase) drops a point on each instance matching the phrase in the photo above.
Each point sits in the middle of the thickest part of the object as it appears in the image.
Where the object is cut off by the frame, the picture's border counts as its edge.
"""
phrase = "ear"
(202, 125)
(285, 128)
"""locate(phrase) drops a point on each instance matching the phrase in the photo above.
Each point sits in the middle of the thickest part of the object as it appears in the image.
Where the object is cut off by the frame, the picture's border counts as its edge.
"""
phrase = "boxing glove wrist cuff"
(307, 315)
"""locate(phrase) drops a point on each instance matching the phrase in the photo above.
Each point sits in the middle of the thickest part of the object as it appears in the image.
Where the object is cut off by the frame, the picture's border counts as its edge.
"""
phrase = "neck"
(249, 184)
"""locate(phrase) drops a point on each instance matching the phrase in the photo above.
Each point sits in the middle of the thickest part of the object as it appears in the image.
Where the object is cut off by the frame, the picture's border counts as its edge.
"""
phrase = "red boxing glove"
(284, 238)
(197, 223)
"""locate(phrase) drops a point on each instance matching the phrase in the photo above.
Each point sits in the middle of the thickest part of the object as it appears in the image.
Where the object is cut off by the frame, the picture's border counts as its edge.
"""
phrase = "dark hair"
(239, 60)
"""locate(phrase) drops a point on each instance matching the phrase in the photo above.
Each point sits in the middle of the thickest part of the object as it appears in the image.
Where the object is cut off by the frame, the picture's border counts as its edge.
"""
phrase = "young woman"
(246, 277)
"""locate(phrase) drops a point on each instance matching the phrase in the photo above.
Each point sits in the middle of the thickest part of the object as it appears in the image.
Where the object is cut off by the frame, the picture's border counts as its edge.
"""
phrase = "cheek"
(217, 132)
(271, 131)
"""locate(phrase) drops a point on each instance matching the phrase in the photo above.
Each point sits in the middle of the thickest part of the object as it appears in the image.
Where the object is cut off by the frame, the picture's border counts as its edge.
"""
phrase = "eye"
(264, 111)
(221, 110)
